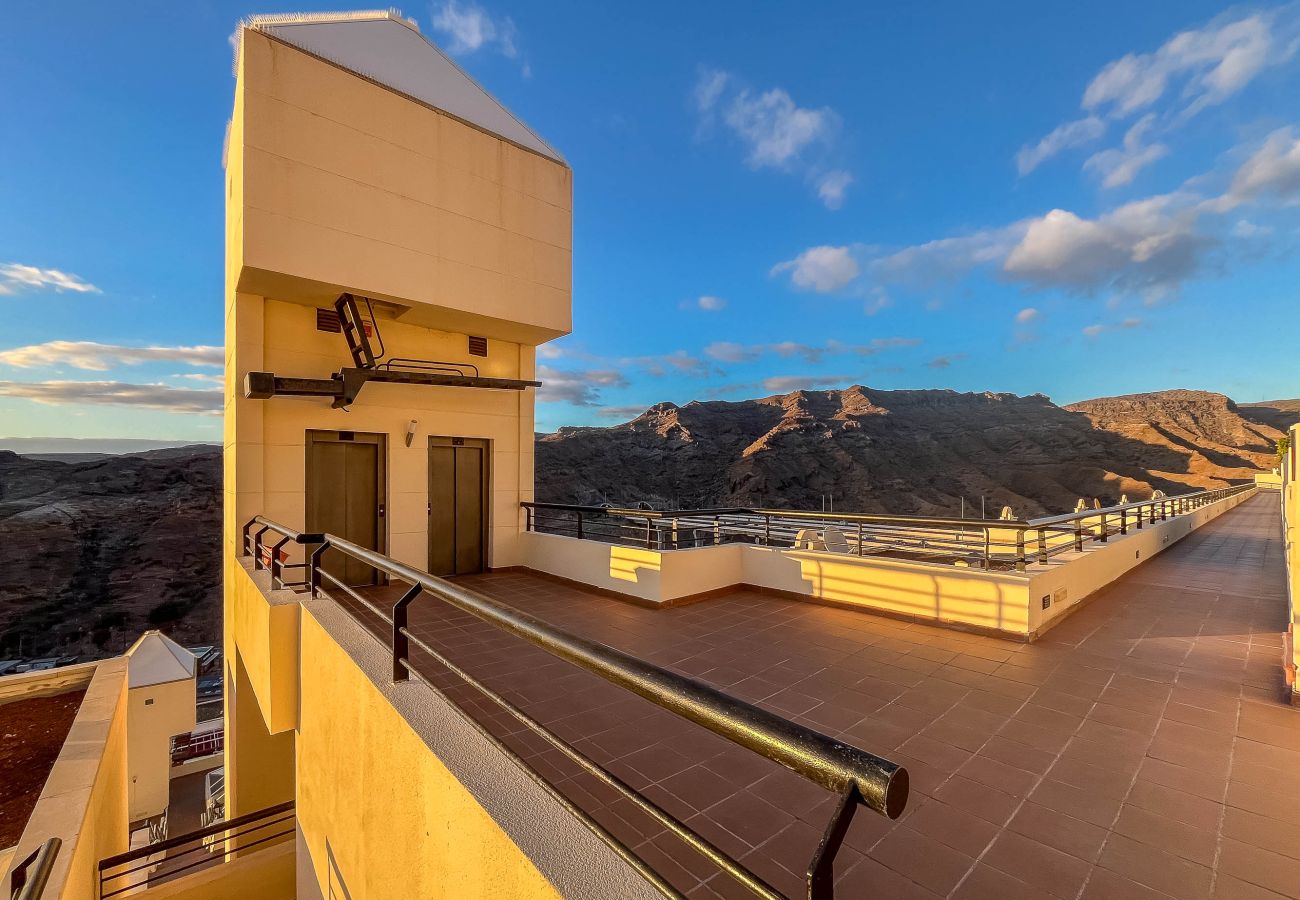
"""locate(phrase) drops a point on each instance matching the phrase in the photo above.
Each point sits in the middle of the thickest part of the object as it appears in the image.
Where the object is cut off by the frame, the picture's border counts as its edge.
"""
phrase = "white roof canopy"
(157, 659)
(390, 50)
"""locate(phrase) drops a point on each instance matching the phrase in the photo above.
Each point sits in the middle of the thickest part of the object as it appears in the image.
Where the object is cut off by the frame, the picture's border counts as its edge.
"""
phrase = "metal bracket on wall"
(344, 386)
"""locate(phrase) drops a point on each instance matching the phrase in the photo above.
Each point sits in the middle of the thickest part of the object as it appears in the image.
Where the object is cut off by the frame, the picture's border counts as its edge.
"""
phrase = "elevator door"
(458, 491)
(345, 497)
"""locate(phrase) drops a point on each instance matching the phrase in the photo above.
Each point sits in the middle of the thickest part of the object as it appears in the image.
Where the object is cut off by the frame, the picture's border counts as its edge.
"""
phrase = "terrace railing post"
(1042, 545)
(649, 542)
(674, 544)
(1123, 521)
(988, 550)
(257, 548)
(821, 871)
(1078, 535)
(1103, 536)
(579, 524)
(401, 645)
(528, 518)
(313, 569)
(860, 550)
(767, 530)
(1020, 550)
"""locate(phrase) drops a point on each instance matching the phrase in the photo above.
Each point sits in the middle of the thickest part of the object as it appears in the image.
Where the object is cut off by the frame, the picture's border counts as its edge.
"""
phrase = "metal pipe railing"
(27, 880)
(859, 777)
(990, 543)
(130, 872)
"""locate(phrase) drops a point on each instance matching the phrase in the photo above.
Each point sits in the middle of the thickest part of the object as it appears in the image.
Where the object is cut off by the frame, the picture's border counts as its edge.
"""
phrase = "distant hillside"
(1279, 414)
(97, 551)
(914, 452)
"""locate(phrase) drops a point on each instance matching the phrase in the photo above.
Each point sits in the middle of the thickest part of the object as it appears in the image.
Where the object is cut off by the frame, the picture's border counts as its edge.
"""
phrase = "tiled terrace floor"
(1142, 748)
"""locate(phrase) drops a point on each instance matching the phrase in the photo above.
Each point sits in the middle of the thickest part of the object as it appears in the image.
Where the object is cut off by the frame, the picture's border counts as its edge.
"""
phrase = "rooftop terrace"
(1142, 748)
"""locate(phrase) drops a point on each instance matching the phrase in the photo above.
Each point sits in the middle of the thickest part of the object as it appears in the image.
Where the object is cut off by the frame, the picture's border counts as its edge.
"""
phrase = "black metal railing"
(275, 556)
(858, 777)
(986, 543)
(27, 880)
(188, 853)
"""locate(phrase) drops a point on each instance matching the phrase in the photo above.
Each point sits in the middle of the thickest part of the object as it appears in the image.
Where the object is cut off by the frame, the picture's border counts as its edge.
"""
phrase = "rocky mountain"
(97, 551)
(917, 452)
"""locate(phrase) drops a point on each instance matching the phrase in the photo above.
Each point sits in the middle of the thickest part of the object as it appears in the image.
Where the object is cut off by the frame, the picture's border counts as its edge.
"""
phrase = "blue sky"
(1079, 201)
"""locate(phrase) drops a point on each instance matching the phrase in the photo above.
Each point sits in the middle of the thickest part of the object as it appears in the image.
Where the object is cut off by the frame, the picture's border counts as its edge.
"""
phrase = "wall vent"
(477, 346)
(328, 320)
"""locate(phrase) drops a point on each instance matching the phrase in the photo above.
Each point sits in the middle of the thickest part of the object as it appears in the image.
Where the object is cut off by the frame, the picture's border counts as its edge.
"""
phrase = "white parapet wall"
(1008, 603)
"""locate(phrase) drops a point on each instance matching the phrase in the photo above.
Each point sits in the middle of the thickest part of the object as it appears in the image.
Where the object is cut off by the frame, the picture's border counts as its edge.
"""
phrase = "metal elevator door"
(458, 491)
(345, 497)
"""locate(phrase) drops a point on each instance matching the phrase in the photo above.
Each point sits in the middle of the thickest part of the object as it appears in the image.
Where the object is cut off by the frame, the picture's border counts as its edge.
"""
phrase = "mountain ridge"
(907, 451)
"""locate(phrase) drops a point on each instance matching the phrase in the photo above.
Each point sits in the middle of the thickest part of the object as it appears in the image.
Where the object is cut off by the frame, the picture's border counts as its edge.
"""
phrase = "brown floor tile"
(931, 864)
(1154, 868)
(1038, 864)
(987, 883)
(1060, 831)
(1263, 868)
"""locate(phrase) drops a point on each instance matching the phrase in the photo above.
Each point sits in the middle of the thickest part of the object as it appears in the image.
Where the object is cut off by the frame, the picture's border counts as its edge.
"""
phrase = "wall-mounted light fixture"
(410, 432)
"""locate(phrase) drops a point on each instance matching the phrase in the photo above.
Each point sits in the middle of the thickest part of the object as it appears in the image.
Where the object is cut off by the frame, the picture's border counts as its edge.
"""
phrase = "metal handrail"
(983, 541)
(27, 880)
(251, 544)
(859, 777)
(1209, 495)
(201, 839)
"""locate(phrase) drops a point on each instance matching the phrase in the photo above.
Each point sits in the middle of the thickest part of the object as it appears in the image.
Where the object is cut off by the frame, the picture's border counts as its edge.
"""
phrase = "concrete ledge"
(46, 683)
(263, 624)
(84, 801)
(1016, 605)
(453, 815)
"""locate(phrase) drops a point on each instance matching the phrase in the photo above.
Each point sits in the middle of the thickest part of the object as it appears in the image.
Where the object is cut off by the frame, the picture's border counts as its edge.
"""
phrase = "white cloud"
(1123, 325)
(203, 377)
(1119, 167)
(471, 28)
(1272, 171)
(708, 89)
(821, 269)
(1248, 230)
(622, 413)
(15, 277)
(728, 351)
(877, 302)
(710, 303)
(782, 384)
(945, 362)
(577, 388)
(832, 186)
(1192, 70)
(774, 130)
(101, 357)
(1063, 137)
(945, 259)
(1148, 245)
(1211, 63)
(1027, 315)
(116, 393)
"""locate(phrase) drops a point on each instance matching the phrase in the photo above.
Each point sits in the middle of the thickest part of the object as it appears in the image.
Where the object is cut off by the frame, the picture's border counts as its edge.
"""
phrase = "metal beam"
(344, 386)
